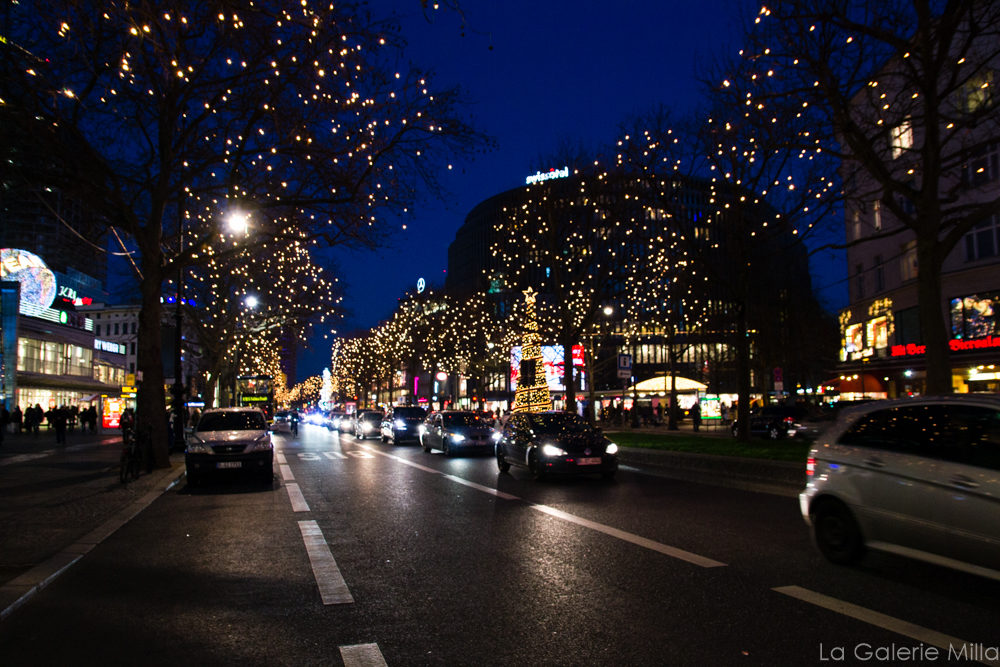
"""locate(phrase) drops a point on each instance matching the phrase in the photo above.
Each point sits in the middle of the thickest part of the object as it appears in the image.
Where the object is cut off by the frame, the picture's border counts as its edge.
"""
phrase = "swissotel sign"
(546, 176)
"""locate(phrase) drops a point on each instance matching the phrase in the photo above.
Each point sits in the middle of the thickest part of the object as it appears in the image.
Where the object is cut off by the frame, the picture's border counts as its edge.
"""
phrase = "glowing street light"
(251, 301)
(238, 222)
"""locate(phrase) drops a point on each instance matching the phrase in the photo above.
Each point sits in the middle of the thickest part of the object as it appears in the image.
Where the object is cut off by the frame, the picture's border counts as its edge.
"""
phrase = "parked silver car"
(914, 477)
(230, 439)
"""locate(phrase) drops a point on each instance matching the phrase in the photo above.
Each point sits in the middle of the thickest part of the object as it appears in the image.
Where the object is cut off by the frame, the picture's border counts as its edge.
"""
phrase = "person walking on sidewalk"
(4, 420)
(58, 419)
(16, 418)
(696, 416)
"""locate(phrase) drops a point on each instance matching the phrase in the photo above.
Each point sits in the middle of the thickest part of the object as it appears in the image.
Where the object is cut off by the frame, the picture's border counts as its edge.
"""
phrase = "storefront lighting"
(908, 374)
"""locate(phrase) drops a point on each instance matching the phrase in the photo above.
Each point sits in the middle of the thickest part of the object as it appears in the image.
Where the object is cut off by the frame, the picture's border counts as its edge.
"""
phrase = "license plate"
(596, 461)
(229, 464)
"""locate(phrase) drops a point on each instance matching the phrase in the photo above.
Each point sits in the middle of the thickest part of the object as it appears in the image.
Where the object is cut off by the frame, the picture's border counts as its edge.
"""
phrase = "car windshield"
(232, 421)
(409, 413)
(557, 423)
(371, 417)
(465, 419)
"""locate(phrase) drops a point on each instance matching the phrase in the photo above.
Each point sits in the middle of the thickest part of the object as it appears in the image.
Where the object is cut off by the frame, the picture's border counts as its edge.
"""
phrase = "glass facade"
(51, 358)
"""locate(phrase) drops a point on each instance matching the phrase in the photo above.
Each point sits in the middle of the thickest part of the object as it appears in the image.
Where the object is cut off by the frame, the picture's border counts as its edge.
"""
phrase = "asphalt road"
(428, 560)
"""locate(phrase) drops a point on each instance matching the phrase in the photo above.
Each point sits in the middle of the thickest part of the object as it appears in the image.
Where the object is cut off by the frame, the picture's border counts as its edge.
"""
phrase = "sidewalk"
(711, 429)
(51, 496)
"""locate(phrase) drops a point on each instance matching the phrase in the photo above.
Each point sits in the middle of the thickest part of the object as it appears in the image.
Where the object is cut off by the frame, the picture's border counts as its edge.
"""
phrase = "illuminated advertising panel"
(38, 283)
(113, 408)
(854, 338)
(552, 357)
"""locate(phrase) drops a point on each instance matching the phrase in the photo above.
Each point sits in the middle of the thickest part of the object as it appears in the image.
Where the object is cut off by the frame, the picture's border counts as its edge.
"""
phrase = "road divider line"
(280, 457)
(286, 473)
(572, 518)
(334, 455)
(629, 537)
(499, 494)
(332, 587)
(295, 495)
(932, 637)
(362, 655)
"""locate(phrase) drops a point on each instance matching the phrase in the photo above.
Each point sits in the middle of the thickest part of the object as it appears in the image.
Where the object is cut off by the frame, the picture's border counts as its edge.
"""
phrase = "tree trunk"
(152, 402)
(672, 360)
(932, 321)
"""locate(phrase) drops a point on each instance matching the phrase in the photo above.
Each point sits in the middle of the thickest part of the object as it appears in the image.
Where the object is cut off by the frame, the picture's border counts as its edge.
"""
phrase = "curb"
(782, 478)
(19, 590)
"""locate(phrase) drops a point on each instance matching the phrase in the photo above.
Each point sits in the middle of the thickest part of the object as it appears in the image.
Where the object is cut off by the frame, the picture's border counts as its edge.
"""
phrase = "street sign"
(130, 379)
(779, 384)
(624, 366)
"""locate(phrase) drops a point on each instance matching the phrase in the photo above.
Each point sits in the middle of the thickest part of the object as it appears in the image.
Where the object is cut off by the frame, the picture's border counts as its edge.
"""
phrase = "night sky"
(558, 69)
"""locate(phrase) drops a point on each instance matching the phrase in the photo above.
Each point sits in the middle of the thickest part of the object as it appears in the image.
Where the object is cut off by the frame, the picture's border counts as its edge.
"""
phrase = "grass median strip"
(772, 450)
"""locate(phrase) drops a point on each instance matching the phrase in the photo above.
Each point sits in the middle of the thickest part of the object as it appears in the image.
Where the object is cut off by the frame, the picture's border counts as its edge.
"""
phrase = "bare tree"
(901, 92)
(165, 117)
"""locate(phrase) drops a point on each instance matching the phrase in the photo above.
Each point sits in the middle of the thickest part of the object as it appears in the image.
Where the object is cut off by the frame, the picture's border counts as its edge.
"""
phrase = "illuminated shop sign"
(547, 176)
(908, 350)
(954, 344)
(108, 346)
(974, 316)
(552, 358)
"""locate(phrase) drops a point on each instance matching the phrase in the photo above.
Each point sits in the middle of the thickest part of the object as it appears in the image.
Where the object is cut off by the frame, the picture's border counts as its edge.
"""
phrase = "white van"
(914, 477)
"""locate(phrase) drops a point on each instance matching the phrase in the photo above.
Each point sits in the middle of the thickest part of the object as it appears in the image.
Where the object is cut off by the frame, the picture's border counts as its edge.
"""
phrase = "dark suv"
(774, 421)
(402, 423)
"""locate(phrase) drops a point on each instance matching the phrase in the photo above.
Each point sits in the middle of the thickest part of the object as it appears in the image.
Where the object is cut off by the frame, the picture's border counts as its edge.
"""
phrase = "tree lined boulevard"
(449, 563)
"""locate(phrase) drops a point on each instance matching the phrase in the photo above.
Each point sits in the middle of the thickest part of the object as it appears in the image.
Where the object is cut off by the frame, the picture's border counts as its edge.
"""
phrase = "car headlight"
(612, 448)
(263, 444)
(552, 450)
(421, 429)
(497, 435)
(198, 447)
(455, 437)
(366, 427)
(400, 423)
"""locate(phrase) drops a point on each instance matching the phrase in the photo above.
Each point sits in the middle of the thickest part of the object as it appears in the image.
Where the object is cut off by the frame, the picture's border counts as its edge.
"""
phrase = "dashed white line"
(298, 500)
(362, 655)
(905, 628)
(572, 518)
(286, 473)
(332, 587)
(280, 457)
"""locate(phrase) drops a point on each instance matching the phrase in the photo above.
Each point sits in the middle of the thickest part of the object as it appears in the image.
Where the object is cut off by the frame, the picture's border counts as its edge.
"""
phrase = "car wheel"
(609, 474)
(423, 444)
(536, 468)
(395, 438)
(837, 534)
(267, 475)
(385, 438)
(502, 464)
(446, 448)
(773, 433)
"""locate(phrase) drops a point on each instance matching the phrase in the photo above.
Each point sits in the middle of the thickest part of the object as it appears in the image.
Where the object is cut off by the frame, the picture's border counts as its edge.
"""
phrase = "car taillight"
(789, 420)
(810, 466)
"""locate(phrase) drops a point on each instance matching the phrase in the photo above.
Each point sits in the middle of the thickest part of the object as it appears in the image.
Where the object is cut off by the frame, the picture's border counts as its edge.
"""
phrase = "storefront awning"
(856, 384)
(662, 384)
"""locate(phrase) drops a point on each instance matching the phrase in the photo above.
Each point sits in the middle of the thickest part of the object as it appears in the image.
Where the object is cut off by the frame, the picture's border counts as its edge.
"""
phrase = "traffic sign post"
(624, 366)
(779, 384)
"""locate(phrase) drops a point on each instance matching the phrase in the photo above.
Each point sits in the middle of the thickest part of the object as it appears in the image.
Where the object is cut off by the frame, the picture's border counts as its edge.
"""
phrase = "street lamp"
(608, 312)
(238, 222)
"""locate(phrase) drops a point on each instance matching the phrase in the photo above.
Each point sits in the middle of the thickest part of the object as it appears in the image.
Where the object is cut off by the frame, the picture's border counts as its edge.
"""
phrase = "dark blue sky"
(558, 69)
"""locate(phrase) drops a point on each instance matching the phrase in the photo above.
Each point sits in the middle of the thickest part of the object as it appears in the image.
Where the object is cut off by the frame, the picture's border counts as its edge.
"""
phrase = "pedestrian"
(39, 418)
(725, 413)
(58, 419)
(92, 418)
(4, 420)
(74, 414)
(16, 418)
(696, 415)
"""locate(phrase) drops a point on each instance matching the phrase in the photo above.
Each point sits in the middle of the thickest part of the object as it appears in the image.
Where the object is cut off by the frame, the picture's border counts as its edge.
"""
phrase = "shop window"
(878, 332)
(981, 241)
(908, 261)
(907, 325)
(854, 338)
(973, 316)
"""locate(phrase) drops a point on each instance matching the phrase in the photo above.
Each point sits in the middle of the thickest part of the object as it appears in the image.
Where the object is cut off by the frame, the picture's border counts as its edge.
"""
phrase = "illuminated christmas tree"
(532, 393)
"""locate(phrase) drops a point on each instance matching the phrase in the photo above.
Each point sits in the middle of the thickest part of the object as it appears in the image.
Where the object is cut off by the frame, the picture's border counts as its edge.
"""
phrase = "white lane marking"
(499, 494)
(572, 518)
(286, 473)
(361, 455)
(309, 456)
(905, 628)
(21, 458)
(332, 587)
(629, 537)
(362, 655)
(334, 455)
(281, 458)
(298, 500)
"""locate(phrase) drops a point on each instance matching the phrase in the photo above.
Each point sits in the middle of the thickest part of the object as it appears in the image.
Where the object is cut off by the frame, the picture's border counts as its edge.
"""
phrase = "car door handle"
(874, 462)
(963, 482)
